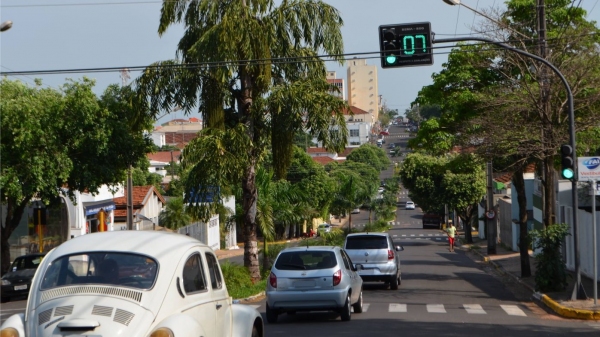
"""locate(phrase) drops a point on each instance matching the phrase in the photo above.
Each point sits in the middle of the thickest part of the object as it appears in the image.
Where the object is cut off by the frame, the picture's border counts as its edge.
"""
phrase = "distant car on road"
(355, 211)
(314, 278)
(409, 205)
(323, 228)
(132, 283)
(17, 281)
(385, 133)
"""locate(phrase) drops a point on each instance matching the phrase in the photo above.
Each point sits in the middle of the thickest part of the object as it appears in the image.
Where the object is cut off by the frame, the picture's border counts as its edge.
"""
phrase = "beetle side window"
(213, 269)
(193, 275)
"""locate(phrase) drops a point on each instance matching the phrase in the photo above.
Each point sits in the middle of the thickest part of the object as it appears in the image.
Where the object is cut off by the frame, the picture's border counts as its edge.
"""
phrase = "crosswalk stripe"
(255, 306)
(397, 307)
(436, 308)
(512, 310)
(366, 307)
(594, 325)
(474, 309)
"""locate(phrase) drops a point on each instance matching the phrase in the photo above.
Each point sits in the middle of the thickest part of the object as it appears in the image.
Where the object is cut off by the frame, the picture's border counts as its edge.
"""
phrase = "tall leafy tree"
(52, 139)
(251, 69)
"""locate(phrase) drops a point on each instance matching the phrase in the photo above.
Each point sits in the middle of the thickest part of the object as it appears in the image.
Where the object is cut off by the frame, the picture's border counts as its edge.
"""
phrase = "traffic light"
(567, 162)
(390, 49)
(406, 44)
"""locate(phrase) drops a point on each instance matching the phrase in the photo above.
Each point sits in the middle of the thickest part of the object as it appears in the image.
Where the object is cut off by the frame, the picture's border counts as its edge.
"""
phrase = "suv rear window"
(306, 260)
(366, 242)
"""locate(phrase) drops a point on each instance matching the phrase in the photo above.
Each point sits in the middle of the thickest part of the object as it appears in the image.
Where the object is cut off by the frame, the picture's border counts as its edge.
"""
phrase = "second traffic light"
(404, 45)
(567, 170)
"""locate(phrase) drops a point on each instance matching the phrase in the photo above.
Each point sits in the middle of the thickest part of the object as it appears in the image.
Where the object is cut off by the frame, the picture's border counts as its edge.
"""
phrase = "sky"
(74, 34)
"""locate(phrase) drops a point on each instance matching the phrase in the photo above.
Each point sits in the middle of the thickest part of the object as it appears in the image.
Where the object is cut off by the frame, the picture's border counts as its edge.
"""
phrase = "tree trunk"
(14, 213)
(519, 184)
(249, 189)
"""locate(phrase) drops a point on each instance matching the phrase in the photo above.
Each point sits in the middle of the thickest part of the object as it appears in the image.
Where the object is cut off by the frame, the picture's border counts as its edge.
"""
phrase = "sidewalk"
(509, 263)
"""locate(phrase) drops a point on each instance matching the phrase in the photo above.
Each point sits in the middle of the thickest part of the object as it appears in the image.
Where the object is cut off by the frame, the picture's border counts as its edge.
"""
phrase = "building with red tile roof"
(147, 202)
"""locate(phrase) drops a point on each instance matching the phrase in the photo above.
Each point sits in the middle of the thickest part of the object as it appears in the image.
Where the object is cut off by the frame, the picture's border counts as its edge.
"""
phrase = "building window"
(354, 133)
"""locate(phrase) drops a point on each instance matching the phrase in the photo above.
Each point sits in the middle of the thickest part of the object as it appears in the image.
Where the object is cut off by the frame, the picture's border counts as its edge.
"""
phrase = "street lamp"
(458, 3)
(5, 26)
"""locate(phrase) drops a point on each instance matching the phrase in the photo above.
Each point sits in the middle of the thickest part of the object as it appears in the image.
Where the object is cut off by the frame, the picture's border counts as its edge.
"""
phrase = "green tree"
(264, 100)
(68, 137)
(371, 155)
(175, 215)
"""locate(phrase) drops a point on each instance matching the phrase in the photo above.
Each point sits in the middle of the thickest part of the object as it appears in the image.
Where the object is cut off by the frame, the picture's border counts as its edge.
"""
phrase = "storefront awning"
(96, 206)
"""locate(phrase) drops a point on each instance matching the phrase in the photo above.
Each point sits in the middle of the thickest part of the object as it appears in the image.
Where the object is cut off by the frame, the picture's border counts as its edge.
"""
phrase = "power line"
(84, 4)
(213, 64)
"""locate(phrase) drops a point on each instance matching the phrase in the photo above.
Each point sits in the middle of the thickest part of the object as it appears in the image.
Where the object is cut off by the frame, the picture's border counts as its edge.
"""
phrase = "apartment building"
(363, 91)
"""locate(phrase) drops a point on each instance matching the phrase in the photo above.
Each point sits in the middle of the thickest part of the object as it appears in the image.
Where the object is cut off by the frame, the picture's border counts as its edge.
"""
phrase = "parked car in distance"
(409, 205)
(432, 221)
(375, 257)
(311, 278)
(384, 132)
(135, 284)
(355, 211)
(323, 228)
(17, 281)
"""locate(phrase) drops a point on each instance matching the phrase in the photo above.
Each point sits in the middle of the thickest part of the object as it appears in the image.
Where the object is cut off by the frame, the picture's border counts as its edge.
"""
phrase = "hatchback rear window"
(306, 260)
(366, 242)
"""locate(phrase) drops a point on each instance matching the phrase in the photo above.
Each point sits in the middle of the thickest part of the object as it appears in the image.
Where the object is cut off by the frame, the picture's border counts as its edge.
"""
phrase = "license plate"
(21, 287)
(304, 284)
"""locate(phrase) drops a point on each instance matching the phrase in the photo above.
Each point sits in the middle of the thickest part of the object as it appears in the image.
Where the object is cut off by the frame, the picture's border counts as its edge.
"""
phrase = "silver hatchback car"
(313, 278)
(376, 257)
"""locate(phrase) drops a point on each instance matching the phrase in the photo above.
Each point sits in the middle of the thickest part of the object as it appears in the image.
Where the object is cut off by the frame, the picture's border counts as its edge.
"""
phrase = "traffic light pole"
(578, 291)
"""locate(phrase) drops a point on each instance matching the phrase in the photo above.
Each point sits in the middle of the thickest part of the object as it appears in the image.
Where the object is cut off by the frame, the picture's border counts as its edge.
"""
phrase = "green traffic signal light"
(390, 59)
(567, 173)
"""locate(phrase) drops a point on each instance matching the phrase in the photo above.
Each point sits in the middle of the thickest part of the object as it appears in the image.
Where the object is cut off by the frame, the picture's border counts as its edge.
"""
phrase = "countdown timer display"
(405, 44)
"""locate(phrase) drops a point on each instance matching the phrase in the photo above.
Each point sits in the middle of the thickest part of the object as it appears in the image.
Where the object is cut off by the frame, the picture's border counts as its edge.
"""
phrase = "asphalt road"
(442, 294)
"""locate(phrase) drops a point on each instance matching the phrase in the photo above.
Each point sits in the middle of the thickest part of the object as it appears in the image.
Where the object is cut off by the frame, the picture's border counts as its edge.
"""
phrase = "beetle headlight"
(5, 283)
(8, 332)
(160, 332)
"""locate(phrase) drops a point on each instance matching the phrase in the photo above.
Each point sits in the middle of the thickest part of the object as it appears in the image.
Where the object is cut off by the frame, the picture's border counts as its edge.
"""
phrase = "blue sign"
(591, 163)
(94, 209)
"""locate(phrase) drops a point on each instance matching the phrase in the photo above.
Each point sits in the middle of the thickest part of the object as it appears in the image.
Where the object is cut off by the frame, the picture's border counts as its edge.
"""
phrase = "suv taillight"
(273, 280)
(337, 278)
(390, 254)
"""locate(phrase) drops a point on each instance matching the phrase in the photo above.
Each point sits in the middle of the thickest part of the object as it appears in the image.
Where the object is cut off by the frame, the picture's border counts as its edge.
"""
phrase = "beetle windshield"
(122, 269)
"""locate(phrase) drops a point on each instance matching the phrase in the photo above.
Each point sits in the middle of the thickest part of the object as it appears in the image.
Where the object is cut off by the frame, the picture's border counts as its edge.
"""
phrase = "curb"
(250, 298)
(545, 299)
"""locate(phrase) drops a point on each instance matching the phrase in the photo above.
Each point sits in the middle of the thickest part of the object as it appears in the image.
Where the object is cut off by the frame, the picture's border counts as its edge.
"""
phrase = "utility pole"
(124, 78)
(490, 213)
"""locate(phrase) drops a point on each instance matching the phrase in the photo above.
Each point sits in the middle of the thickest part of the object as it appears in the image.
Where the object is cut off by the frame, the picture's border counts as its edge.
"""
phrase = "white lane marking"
(366, 307)
(394, 235)
(403, 234)
(436, 308)
(397, 307)
(429, 234)
(474, 309)
(421, 235)
(412, 235)
(512, 310)
(255, 306)
(594, 325)
(438, 239)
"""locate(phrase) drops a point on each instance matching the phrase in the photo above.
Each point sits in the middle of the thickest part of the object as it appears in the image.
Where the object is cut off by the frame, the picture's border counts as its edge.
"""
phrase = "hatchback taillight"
(337, 278)
(273, 280)
(390, 254)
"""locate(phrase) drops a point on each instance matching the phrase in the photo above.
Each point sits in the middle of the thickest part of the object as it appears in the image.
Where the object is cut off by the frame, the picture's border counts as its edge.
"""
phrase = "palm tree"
(174, 216)
(246, 66)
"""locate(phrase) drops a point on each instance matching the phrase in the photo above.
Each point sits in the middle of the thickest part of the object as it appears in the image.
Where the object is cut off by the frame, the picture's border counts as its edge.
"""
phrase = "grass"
(237, 279)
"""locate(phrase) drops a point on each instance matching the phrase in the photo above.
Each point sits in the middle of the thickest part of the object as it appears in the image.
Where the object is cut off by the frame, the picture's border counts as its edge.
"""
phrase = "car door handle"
(219, 306)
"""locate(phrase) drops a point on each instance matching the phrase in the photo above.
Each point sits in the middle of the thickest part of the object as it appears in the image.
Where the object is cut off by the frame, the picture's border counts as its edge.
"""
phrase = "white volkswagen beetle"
(132, 284)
